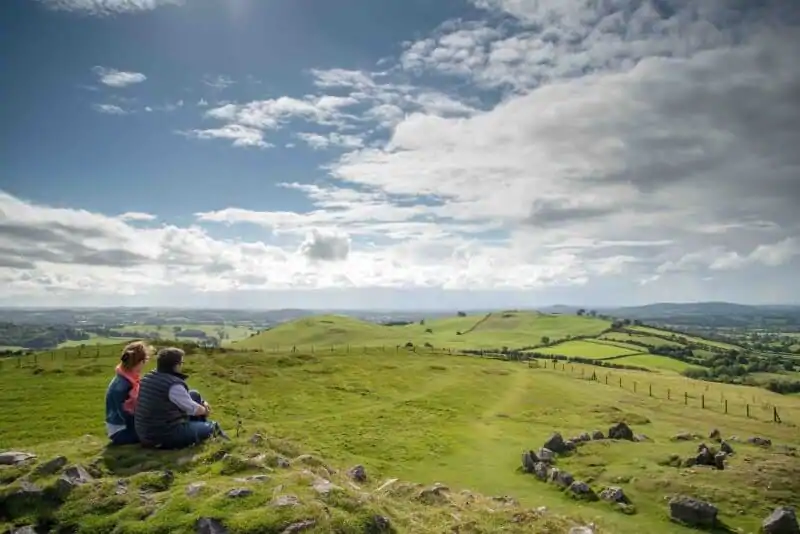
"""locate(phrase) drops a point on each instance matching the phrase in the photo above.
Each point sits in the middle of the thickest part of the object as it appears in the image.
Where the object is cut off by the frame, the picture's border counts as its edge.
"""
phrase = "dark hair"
(168, 358)
(135, 353)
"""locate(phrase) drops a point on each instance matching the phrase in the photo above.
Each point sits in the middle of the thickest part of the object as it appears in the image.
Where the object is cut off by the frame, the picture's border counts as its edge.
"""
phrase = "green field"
(687, 337)
(659, 363)
(423, 417)
(649, 340)
(232, 333)
(589, 349)
(94, 340)
(509, 329)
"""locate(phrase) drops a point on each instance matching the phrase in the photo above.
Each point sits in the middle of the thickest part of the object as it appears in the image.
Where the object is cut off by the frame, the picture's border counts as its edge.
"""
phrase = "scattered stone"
(27, 529)
(561, 478)
(324, 487)
(122, 487)
(300, 526)
(640, 438)
(761, 442)
(237, 493)
(683, 436)
(282, 462)
(545, 455)
(781, 521)
(506, 499)
(582, 437)
(597, 434)
(556, 444)
(581, 490)
(51, 467)
(15, 457)
(570, 445)
(620, 431)
(285, 501)
(194, 489)
(434, 494)
(715, 435)
(704, 455)
(73, 477)
(725, 447)
(207, 525)
(719, 460)
(528, 461)
(256, 439)
(693, 512)
(614, 494)
(541, 470)
(581, 530)
(378, 523)
(358, 473)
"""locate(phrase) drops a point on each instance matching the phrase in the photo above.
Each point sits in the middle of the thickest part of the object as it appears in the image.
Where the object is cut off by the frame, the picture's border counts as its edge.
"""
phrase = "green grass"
(233, 332)
(511, 329)
(649, 340)
(426, 418)
(653, 361)
(94, 340)
(589, 349)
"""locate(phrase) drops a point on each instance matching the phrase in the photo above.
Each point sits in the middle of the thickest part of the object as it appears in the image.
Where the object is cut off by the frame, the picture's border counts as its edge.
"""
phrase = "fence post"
(620, 381)
(650, 387)
(668, 396)
(686, 398)
(606, 379)
(747, 406)
(775, 417)
(703, 401)
(726, 405)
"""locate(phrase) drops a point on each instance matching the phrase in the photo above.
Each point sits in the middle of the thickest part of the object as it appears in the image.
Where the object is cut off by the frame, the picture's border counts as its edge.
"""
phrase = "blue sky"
(398, 153)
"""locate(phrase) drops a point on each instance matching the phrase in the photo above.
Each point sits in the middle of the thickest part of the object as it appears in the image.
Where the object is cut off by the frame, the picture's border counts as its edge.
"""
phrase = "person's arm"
(179, 396)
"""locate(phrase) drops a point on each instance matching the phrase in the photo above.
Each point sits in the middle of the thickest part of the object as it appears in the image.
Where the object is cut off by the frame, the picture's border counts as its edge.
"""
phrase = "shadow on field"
(719, 528)
(129, 460)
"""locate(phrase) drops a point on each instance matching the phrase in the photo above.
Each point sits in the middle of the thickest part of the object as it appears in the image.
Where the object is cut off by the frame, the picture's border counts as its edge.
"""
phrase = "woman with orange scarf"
(123, 392)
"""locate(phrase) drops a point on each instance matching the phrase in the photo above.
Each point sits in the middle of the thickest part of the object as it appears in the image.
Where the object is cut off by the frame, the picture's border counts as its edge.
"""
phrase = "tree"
(545, 340)
(593, 313)
(581, 312)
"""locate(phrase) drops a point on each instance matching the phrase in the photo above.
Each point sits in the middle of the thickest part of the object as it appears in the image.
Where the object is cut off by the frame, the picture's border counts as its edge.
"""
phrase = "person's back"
(122, 394)
(156, 416)
(168, 415)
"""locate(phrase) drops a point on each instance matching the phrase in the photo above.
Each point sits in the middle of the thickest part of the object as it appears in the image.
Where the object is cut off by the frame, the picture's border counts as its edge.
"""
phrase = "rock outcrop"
(782, 520)
(693, 512)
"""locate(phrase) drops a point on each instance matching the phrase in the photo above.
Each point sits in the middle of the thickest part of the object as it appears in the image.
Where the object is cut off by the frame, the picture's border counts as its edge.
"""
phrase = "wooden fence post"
(620, 381)
(703, 401)
(650, 387)
(634, 387)
(726, 405)
(747, 407)
(606, 379)
(775, 417)
(668, 395)
(686, 398)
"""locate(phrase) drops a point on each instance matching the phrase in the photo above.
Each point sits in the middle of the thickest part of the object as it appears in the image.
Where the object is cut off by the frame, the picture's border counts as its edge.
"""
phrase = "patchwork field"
(589, 349)
(460, 420)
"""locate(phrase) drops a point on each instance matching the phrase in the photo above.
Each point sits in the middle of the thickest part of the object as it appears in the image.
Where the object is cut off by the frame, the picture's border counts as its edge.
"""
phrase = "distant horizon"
(404, 309)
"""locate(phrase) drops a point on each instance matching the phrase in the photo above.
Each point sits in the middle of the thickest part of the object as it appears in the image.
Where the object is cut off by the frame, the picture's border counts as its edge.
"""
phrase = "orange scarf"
(130, 403)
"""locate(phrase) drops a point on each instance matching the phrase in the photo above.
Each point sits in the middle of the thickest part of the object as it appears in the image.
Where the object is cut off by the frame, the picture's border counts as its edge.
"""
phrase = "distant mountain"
(669, 309)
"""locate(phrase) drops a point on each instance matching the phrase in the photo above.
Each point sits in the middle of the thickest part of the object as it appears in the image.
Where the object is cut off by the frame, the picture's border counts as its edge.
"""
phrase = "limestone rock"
(620, 431)
(237, 493)
(683, 436)
(51, 466)
(285, 501)
(614, 494)
(719, 460)
(581, 490)
(73, 476)
(300, 526)
(358, 473)
(207, 525)
(725, 447)
(528, 461)
(15, 457)
(541, 470)
(545, 455)
(781, 521)
(581, 530)
(556, 444)
(598, 434)
(194, 489)
(324, 487)
(693, 512)
(561, 478)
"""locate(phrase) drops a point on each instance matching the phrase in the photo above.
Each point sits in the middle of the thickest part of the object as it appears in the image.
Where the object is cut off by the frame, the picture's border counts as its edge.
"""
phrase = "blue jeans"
(196, 430)
(127, 436)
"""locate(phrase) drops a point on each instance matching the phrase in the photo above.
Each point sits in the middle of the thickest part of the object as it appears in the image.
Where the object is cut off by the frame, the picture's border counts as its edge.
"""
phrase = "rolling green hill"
(511, 329)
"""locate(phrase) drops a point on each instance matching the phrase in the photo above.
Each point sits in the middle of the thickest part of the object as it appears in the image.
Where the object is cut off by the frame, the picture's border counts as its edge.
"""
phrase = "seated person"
(168, 415)
(122, 394)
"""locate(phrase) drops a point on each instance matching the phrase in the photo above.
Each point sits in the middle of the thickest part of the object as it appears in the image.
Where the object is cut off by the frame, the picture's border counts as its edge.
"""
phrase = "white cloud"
(332, 139)
(242, 136)
(109, 109)
(108, 7)
(218, 82)
(325, 246)
(117, 78)
(137, 216)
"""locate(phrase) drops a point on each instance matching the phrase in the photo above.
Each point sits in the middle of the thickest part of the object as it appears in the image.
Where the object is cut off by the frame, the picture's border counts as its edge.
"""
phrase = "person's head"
(134, 356)
(170, 360)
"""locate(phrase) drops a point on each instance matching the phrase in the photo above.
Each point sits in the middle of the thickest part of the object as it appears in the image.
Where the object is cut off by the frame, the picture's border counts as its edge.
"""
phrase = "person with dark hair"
(169, 415)
(123, 392)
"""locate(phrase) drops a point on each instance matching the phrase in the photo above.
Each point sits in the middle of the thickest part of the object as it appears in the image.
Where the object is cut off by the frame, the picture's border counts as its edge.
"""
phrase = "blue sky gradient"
(398, 153)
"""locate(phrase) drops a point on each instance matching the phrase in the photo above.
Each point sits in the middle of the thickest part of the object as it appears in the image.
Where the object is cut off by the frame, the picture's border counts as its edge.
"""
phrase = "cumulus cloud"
(242, 136)
(109, 109)
(325, 246)
(137, 216)
(117, 78)
(108, 7)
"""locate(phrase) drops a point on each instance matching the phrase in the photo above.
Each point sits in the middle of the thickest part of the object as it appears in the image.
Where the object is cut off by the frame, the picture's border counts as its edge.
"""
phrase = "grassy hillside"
(588, 349)
(511, 329)
(424, 417)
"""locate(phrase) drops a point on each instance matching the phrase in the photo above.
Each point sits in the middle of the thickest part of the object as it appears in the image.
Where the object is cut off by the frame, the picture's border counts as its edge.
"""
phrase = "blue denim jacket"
(116, 395)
